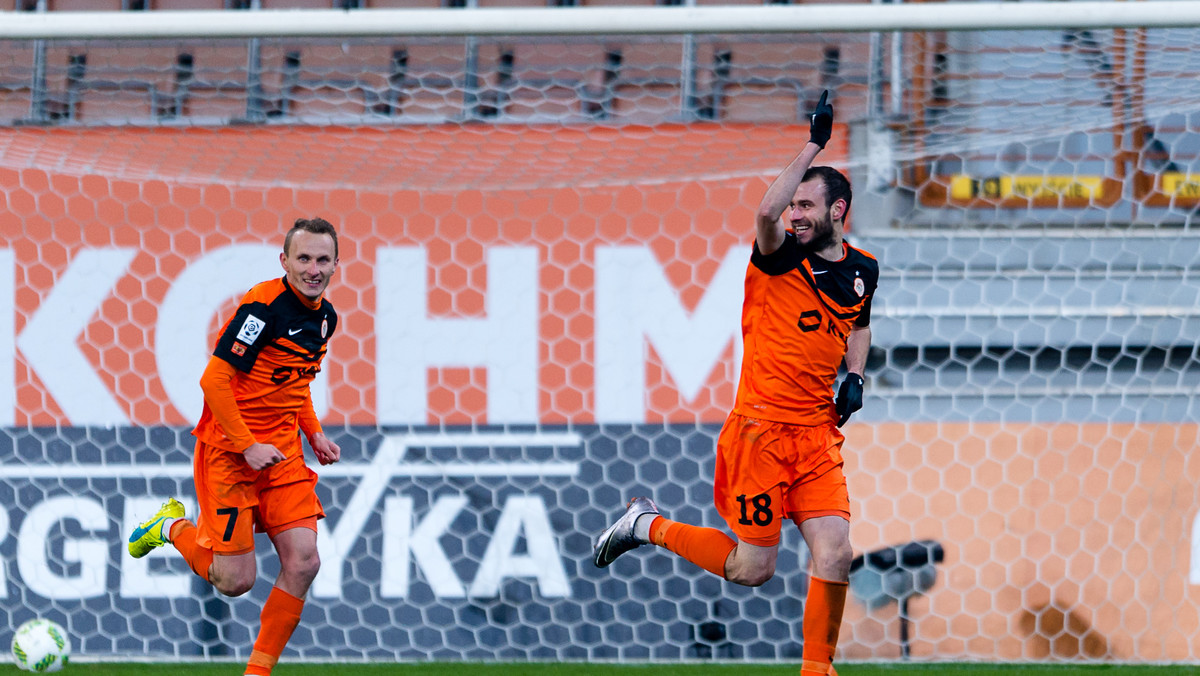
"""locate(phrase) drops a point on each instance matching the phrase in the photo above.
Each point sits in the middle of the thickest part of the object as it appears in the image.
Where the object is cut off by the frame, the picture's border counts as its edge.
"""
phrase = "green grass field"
(669, 669)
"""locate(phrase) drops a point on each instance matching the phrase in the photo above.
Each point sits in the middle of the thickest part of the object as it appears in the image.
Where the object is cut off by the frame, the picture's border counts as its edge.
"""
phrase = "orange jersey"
(797, 313)
(276, 342)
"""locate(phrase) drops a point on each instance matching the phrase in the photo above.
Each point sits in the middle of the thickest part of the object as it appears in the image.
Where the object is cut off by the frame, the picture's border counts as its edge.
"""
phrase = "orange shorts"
(236, 501)
(767, 471)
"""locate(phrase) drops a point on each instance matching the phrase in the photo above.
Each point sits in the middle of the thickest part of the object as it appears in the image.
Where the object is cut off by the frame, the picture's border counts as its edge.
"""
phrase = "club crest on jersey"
(859, 287)
(324, 328)
(250, 329)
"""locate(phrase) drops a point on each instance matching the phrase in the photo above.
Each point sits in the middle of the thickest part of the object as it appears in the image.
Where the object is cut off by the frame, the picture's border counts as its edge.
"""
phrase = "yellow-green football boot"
(150, 534)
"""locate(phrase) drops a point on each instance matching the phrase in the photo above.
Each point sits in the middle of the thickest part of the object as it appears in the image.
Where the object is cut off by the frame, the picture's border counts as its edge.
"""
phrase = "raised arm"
(770, 228)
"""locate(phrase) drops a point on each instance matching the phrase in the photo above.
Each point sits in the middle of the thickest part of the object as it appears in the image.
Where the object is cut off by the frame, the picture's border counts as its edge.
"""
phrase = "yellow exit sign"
(1183, 185)
(1028, 187)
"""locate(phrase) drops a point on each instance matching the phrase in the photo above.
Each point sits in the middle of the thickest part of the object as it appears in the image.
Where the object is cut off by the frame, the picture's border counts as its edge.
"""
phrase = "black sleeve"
(871, 276)
(245, 336)
(333, 319)
(778, 262)
(864, 317)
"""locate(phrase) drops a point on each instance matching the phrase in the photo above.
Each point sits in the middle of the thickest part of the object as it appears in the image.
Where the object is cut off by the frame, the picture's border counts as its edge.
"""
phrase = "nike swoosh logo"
(141, 530)
(819, 272)
(292, 332)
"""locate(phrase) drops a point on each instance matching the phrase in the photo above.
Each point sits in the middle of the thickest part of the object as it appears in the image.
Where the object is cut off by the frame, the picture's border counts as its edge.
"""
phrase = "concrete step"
(964, 290)
(1133, 250)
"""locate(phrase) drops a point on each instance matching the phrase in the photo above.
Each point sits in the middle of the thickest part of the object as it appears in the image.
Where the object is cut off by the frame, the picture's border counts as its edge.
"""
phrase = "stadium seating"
(295, 4)
(117, 85)
(628, 79)
(335, 80)
(992, 291)
(16, 79)
(188, 5)
(85, 5)
(763, 80)
(400, 4)
(540, 80)
(213, 81)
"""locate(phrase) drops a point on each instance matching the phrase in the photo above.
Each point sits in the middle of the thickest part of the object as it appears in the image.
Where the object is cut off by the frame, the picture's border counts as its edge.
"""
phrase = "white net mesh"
(543, 248)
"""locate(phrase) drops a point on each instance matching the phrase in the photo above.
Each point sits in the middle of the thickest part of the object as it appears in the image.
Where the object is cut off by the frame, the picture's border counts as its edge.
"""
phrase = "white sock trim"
(166, 528)
(641, 527)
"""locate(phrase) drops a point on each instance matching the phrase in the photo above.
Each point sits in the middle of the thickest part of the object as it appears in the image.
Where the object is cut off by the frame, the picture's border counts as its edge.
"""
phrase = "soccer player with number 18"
(807, 308)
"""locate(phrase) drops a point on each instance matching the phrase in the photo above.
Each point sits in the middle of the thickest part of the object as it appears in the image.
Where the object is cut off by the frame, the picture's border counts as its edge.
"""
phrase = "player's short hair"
(837, 186)
(317, 226)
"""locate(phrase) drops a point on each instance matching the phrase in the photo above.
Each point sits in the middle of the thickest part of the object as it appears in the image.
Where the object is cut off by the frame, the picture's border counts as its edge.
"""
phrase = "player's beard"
(822, 235)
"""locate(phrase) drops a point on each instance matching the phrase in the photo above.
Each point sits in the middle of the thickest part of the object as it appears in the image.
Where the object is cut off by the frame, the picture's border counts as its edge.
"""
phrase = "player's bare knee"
(833, 562)
(754, 578)
(751, 577)
(311, 565)
(303, 566)
(233, 586)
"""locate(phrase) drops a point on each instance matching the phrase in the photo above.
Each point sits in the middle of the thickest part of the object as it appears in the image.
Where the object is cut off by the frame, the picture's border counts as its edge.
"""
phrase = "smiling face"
(309, 261)
(813, 220)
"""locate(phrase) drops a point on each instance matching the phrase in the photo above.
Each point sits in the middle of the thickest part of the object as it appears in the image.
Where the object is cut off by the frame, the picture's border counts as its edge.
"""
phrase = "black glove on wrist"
(849, 397)
(820, 126)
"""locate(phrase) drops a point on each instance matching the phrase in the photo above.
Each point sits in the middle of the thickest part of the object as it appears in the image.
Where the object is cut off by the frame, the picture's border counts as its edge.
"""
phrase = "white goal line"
(808, 18)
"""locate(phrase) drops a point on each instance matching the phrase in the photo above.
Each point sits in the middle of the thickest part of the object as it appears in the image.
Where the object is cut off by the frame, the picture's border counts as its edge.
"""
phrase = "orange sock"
(280, 615)
(822, 621)
(183, 536)
(705, 547)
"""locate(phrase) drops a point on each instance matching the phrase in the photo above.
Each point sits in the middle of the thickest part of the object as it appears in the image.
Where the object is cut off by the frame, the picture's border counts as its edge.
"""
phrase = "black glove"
(849, 397)
(820, 126)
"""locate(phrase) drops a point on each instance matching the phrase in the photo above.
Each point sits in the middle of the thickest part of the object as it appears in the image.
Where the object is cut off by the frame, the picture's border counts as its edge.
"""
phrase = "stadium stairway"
(1026, 325)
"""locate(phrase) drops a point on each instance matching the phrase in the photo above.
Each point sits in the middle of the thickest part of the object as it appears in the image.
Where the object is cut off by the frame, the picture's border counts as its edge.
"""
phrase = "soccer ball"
(41, 645)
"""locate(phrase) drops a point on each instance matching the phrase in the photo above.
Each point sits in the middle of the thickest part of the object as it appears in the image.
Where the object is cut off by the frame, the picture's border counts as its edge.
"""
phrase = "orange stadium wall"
(560, 276)
(1063, 541)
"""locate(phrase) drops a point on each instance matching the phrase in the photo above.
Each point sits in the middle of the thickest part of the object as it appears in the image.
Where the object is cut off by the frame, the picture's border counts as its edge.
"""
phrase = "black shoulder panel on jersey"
(251, 328)
(869, 268)
(779, 262)
(845, 286)
(867, 263)
(303, 331)
(327, 307)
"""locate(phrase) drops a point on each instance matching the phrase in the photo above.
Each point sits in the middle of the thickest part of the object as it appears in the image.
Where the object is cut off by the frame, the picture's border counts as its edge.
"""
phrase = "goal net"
(543, 242)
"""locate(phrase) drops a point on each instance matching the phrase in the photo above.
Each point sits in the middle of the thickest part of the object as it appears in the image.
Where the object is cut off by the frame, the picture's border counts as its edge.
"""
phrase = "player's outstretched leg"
(151, 534)
(620, 537)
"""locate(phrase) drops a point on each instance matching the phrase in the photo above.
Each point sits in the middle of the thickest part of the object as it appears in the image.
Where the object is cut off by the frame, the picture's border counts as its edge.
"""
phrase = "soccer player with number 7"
(249, 467)
(807, 308)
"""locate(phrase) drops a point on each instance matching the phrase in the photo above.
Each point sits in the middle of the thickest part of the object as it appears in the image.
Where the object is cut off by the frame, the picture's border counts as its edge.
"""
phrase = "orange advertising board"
(148, 227)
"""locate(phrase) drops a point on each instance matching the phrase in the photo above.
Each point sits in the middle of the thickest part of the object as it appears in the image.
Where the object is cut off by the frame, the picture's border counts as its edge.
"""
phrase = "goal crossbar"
(596, 20)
